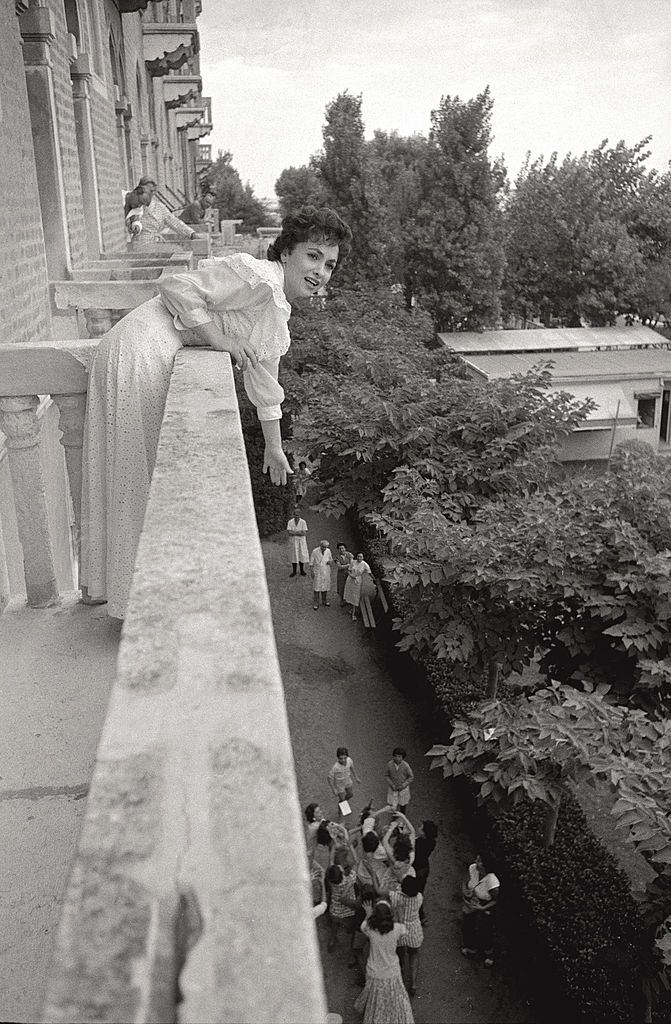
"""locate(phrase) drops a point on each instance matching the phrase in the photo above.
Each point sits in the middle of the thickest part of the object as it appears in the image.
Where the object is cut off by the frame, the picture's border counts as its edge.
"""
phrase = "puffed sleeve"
(263, 389)
(192, 297)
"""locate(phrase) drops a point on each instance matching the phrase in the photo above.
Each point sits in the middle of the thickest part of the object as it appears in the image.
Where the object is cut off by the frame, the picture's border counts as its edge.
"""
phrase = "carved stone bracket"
(38, 32)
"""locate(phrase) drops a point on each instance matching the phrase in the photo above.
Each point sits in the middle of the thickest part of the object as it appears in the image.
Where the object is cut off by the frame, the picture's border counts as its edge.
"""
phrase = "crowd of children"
(369, 882)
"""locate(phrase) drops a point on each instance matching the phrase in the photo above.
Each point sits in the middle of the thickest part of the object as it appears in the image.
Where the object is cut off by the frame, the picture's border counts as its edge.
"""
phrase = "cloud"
(564, 74)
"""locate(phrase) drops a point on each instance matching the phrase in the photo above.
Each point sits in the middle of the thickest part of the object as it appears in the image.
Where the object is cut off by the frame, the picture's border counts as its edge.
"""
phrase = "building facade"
(94, 94)
(626, 371)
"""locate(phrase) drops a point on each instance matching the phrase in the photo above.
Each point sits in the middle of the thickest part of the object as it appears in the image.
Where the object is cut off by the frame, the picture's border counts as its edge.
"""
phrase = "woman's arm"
(385, 840)
(175, 224)
(409, 826)
(210, 335)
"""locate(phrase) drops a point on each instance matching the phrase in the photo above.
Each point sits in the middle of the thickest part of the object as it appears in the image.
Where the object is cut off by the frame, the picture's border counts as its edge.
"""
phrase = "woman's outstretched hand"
(276, 463)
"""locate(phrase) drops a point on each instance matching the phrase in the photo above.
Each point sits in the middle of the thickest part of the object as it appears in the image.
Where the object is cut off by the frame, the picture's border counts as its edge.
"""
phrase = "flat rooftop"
(567, 366)
(555, 339)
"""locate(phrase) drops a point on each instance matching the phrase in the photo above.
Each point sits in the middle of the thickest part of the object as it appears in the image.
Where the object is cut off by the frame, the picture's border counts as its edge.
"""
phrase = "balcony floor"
(58, 665)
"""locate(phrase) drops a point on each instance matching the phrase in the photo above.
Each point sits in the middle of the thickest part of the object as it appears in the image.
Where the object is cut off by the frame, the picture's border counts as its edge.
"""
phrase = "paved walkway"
(338, 691)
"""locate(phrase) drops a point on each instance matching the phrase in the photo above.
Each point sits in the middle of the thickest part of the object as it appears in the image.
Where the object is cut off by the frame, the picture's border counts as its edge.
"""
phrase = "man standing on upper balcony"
(157, 218)
(195, 212)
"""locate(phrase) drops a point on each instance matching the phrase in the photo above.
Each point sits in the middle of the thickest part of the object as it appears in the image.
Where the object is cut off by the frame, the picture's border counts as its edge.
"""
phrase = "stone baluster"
(4, 575)
(72, 409)
(98, 321)
(19, 423)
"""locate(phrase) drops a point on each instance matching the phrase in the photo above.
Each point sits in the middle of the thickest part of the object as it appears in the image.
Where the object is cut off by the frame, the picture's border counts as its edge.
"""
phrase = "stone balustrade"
(84, 306)
(26, 372)
(189, 898)
(102, 303)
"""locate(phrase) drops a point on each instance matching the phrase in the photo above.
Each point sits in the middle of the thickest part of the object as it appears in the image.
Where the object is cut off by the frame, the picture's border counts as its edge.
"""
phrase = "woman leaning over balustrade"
(236, 304)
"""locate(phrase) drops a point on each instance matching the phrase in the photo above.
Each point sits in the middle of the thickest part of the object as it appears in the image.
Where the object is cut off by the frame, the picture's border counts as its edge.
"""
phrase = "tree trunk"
(550, 823)
(493, 672)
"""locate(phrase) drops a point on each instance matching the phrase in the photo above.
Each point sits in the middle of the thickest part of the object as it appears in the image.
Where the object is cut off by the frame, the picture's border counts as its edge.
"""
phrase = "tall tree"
(455, 244)
(343, 170)
(299, 186)
(393, 170)
(235, 200)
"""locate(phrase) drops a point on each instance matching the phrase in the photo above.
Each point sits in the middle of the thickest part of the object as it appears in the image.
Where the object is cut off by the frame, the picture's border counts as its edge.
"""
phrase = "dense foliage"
(491, 554)
(589, 237)
(574, 922)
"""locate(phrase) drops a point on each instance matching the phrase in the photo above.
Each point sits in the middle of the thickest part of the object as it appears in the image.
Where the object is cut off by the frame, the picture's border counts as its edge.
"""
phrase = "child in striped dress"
(406, 903)
(343, 906)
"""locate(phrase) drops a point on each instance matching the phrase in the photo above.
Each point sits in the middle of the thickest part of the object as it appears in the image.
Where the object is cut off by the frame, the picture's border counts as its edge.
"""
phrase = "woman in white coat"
(321, 560)
(297, 529)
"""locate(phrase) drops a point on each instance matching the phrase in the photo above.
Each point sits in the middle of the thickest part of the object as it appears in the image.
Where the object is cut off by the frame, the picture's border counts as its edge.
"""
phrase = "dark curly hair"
(382, 919)
(311, 225)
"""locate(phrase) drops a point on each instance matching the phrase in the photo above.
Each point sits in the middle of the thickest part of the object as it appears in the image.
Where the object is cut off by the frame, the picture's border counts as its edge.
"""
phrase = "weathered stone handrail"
(148, 258)
(102, 294)
(99, 301)
(191, 874)
(119, 272)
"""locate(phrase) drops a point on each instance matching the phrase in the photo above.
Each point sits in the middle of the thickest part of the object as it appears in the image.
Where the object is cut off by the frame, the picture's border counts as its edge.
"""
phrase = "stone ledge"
(191, 872)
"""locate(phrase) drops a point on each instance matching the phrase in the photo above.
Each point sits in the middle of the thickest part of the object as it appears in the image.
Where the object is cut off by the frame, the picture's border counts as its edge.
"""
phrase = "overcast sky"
(564, 74)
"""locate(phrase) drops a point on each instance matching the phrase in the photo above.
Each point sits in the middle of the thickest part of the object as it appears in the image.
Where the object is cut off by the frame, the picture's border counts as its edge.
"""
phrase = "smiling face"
(307, 267)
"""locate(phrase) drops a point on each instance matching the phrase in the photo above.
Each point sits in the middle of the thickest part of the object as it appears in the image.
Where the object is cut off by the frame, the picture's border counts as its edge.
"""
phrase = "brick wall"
(24, 308)
(60, 56)
(111, 175)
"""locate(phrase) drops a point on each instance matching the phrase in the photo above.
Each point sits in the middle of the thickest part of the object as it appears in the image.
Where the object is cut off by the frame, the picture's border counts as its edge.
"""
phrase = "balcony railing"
(191, 879)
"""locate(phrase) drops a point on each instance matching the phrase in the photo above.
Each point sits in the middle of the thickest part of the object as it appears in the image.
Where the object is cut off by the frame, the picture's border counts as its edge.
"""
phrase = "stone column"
(72, 409)
(120, 105)
(80, 73)
(19, 423)
(38, 33)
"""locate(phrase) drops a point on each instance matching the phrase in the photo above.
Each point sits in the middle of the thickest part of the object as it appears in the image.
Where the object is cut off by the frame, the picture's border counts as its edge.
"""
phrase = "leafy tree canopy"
(235, 200)
(589, 238)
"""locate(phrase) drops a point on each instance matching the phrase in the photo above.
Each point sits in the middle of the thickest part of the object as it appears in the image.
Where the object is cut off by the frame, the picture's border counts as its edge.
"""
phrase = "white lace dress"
(128, 386)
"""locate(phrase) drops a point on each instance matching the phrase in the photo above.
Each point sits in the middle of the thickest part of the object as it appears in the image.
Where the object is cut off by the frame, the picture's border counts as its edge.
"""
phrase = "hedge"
(570, 917)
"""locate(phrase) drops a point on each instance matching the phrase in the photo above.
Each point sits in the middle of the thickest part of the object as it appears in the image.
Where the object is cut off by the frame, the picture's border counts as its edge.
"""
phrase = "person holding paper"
(340, 777)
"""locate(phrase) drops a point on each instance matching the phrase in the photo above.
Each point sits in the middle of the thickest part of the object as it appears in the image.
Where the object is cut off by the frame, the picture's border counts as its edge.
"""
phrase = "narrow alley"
(338, 691)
